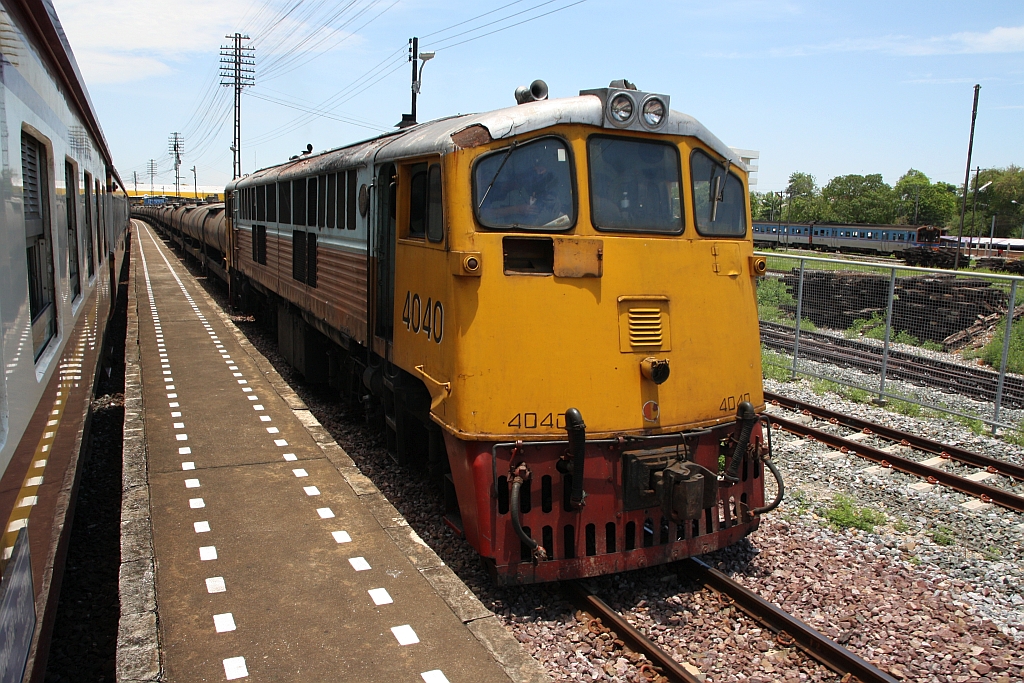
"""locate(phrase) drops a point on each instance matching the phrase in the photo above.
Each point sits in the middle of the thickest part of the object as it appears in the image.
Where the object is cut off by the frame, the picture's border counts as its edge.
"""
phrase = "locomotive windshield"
(634, 185)
(526, 186)
(719, 201)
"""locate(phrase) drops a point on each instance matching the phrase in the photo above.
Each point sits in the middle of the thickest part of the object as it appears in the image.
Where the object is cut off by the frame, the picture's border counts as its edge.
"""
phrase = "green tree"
(930, 203)
(766, 206)
(801, 185)
(998, 199)
(860, 199)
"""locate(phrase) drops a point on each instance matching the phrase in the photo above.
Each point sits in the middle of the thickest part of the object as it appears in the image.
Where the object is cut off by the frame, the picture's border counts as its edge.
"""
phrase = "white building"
(749, 157)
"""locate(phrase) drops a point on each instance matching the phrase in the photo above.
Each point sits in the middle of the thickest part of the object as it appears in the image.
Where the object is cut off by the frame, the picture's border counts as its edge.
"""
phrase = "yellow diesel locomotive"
(550, 309)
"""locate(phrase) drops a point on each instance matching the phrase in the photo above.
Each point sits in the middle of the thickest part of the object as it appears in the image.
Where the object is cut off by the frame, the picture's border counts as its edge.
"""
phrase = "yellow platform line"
(70, 371)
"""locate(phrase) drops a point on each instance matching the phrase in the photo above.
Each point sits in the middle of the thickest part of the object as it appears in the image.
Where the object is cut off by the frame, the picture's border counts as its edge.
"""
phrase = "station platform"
(252, 547)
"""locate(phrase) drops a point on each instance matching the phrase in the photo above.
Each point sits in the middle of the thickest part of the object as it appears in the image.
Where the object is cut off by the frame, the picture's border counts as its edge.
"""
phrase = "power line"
(505, 28)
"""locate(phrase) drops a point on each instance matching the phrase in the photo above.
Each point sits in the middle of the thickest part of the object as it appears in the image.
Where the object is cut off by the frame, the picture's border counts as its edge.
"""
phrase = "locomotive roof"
(435, 137)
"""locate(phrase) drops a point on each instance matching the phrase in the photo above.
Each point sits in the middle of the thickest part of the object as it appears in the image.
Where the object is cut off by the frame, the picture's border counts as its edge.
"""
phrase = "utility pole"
(415, 56)
(917, 195)
(136, 174)
(175, 147)
(967, 177)
(195, 179)
(974, 207)
(151, 168)
(238, 70)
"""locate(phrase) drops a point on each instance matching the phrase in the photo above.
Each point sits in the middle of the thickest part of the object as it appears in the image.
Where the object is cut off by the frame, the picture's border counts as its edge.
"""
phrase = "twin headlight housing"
(628, 109)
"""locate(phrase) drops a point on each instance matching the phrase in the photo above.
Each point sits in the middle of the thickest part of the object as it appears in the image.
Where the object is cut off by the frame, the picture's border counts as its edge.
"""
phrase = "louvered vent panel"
(645, 327)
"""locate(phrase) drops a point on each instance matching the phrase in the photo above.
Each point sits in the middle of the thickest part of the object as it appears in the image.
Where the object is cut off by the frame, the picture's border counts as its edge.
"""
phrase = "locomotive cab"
(589, 266)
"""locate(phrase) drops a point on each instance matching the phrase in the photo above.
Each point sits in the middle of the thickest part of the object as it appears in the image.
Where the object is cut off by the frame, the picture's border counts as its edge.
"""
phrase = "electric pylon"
(237, 71)
(176, 147)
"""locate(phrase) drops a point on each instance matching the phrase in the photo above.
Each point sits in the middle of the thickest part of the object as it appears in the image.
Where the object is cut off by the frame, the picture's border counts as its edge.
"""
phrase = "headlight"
(621, 108)
(654, 111)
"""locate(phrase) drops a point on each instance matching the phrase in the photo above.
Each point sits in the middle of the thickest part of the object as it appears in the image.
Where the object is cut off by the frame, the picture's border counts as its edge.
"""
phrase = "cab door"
(382, 306)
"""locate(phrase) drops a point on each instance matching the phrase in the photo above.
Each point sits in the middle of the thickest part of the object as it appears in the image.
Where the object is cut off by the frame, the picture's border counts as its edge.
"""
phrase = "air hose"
(520, 477)
(748, 418)
(775, 472)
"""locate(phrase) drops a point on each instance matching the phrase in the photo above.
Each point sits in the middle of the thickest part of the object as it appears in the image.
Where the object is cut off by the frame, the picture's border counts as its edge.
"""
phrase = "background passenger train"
(502, 292)
(884, 239)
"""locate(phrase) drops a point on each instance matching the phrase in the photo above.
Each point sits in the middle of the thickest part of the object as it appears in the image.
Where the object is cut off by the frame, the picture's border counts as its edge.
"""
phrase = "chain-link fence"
(916, 338)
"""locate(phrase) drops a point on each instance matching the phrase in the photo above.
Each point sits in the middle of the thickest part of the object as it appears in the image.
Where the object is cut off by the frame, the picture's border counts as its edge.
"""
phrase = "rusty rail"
(585, 600)
(973, 488)
(959, 454)
(823, 649)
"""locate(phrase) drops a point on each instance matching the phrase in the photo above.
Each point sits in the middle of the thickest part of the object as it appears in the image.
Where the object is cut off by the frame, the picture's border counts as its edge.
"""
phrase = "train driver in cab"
(527, 186)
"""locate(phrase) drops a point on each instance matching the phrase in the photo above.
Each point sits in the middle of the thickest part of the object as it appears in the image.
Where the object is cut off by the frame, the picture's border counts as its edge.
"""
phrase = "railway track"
(898, 454)
(976, 383)
(789, 630)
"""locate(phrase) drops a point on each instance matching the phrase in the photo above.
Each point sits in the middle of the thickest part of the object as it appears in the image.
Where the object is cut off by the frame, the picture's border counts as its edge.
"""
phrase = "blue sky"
(828, 88)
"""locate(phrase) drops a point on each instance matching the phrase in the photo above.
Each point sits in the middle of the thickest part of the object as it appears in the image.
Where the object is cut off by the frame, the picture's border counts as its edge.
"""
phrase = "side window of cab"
(426, 213)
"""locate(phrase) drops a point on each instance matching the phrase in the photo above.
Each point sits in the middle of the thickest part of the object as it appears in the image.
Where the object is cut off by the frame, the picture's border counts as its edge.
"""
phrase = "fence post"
(799, 312)
(1011, 305)
(888, 333)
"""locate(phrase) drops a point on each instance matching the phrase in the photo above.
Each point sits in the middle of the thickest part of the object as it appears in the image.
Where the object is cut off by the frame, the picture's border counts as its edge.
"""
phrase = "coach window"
(311, 203)
(321, 212)
(74, 261)
(261, 203)
(272, 203)
(39, 252)
(719, 200)
(284, 202)
(352, 204)
(90, 261)
(299, 201)
(527, 187)
(332, 200)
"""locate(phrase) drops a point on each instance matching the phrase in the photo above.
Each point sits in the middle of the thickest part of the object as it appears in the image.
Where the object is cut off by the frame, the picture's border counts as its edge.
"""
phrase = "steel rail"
(972, 381)
(973, 488)
(993, 465)
(585, 600)
(924, 374)
(823, 649)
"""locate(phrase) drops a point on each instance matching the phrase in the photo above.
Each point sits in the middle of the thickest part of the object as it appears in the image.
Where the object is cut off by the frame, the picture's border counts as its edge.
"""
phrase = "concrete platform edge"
(138, 635)
(481, 622)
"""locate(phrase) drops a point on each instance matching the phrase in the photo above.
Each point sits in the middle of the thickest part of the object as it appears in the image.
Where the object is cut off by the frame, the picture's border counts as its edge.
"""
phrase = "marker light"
(654, 112)
(621, 108)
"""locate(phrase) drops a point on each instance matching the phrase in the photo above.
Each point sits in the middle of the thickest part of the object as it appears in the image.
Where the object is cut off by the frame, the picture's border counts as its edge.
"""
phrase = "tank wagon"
(549, 308)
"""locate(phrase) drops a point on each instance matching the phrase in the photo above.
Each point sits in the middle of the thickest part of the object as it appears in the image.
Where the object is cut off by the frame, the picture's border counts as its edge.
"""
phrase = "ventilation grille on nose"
(645, 327)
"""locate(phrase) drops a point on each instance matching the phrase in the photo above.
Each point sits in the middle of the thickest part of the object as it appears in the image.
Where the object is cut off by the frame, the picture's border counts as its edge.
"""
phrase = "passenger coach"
(550, 309)
(62, 235)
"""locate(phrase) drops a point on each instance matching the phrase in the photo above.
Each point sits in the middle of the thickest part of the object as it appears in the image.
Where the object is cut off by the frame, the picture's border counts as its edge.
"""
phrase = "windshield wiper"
(719, 191)
(497, 173)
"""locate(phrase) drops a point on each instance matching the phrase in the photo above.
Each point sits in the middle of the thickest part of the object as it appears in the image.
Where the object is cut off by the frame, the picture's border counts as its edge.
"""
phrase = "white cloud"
(999, 40)
(125, 40)
(118, 41)
(107, 67)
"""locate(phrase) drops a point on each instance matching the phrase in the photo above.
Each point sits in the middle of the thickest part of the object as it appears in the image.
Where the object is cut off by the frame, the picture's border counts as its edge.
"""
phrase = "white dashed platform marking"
(405, 635)
(380, 596)
(234, 667)
(224, 622)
